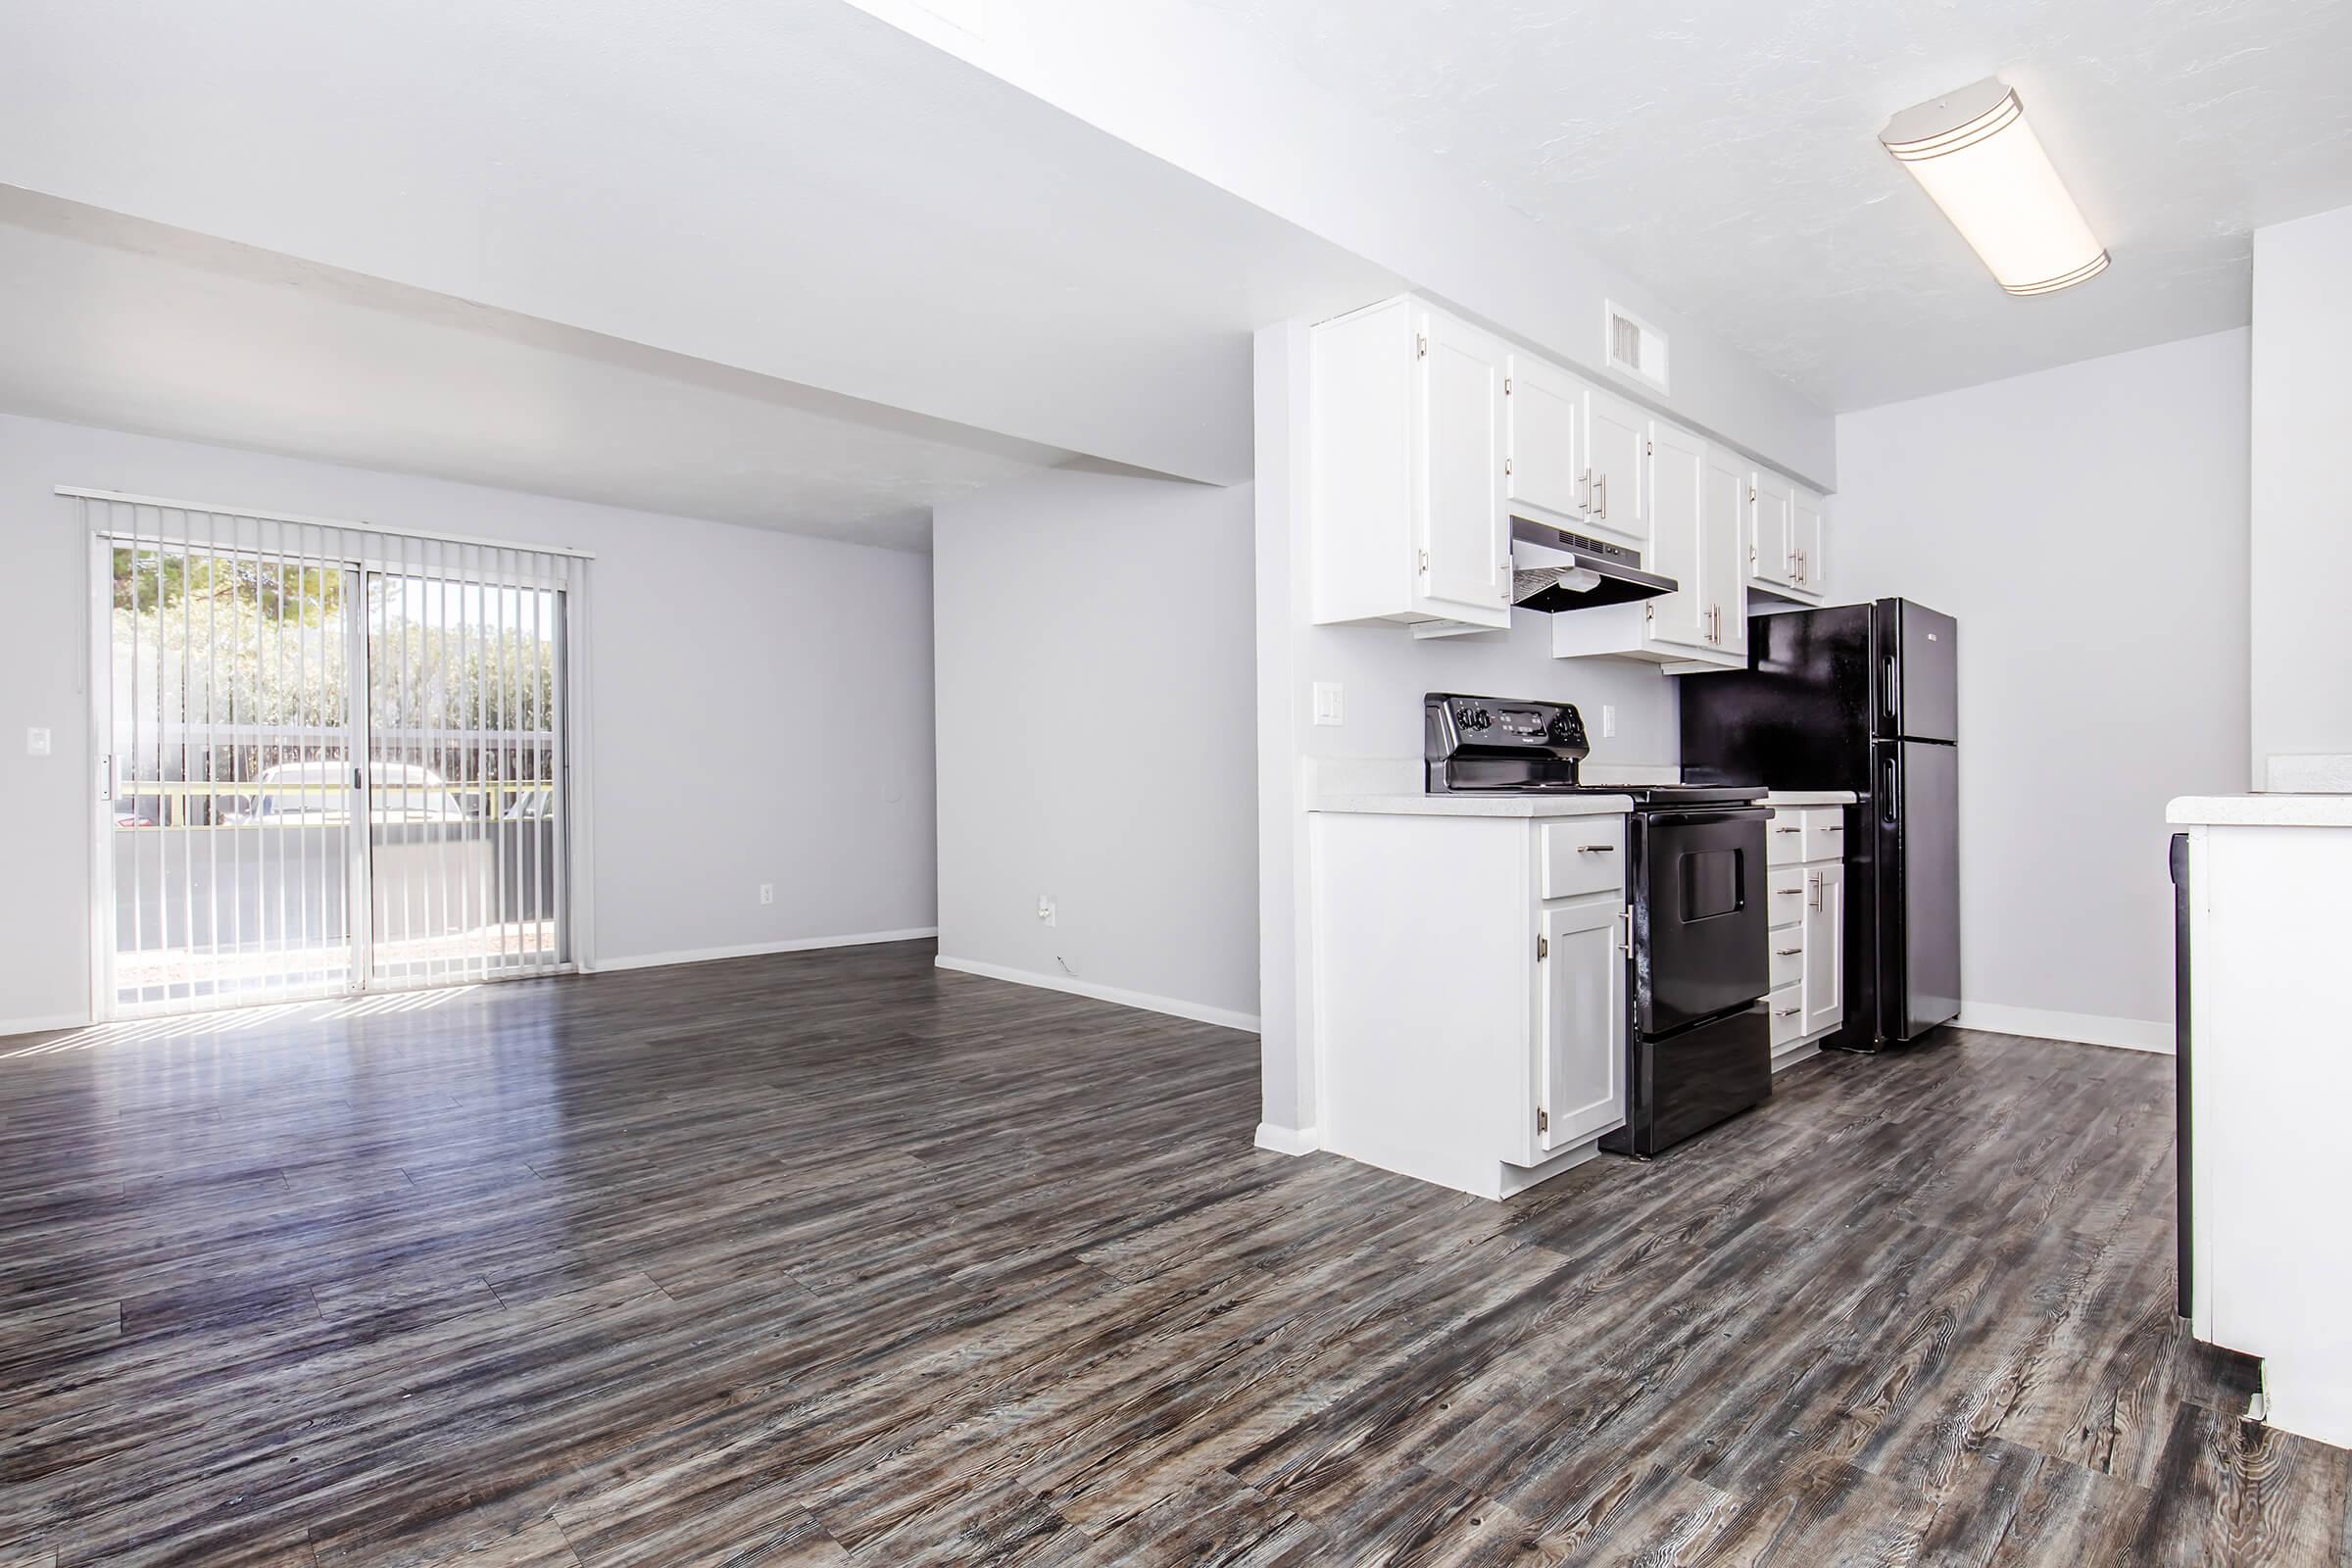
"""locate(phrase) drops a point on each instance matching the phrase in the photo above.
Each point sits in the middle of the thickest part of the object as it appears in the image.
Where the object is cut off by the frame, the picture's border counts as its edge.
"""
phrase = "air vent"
(1635, 348)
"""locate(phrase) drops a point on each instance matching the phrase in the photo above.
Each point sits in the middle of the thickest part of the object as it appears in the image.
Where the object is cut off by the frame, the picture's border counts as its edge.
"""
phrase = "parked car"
(315, 794)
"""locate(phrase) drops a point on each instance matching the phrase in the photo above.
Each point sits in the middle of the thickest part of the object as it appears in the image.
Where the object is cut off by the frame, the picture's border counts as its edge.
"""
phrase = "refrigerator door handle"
(1886, 806)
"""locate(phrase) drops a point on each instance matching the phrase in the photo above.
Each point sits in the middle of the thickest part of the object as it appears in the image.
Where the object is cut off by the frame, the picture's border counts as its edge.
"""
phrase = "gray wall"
(2087, 525)
(2302, 522)
(710, 647)
(1095, 737)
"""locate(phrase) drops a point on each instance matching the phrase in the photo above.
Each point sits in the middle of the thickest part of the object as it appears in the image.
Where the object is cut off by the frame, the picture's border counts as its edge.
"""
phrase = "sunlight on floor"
(237, 1020)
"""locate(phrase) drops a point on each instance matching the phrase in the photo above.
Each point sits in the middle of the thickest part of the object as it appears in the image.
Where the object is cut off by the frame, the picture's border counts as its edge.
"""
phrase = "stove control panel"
(1497, 722)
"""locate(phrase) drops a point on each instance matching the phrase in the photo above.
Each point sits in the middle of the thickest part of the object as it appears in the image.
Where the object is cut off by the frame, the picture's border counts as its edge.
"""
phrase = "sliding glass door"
(466, 796)
(330, 759)
(224, 784)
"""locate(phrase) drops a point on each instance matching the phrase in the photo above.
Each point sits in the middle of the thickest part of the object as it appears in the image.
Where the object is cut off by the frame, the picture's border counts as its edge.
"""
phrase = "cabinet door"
(1580, 1033)
(1804, 541)
(1547, 429)
(1678, 472)
(1465, 530)
(1616, 436)
(1825, 948)
(1722, 547)
(1773, 507)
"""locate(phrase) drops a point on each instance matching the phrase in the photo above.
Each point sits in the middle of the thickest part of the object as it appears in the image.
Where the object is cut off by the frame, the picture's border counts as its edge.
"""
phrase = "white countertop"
(1520, 806)
(1811, 798)
(2261, 811)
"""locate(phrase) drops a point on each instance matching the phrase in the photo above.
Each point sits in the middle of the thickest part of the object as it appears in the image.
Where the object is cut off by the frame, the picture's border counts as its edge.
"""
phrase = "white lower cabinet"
(1805, 849)
(1469, 1028)
(1825, 948)
(1581, 1006)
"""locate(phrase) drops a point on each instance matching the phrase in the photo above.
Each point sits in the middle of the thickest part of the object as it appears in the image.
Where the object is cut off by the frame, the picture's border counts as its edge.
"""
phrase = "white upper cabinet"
(1805, 543)
(1427, 435)
(1547, 476)
(1784, 537)
(1466, 526)
(1408, 522)
(1678, 542)
(1616, 439)
(1772, 503)
(1722, 509)
(1697, 495)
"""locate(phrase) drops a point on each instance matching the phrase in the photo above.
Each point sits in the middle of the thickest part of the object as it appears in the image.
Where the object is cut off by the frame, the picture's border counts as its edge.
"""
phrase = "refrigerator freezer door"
(1918, 673)
(1918, 885)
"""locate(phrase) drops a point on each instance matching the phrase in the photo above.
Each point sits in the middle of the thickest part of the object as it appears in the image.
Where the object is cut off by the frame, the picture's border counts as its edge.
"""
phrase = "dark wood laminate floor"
(838, 1258)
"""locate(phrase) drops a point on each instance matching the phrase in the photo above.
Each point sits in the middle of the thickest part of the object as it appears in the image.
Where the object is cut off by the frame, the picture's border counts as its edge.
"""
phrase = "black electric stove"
(1698, 1044)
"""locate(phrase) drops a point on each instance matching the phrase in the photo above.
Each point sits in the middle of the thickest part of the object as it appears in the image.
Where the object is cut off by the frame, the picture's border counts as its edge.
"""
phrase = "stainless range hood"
(1566, 570)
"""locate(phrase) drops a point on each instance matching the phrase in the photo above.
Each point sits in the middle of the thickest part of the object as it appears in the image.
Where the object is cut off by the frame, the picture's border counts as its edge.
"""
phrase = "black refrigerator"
(1862, 698)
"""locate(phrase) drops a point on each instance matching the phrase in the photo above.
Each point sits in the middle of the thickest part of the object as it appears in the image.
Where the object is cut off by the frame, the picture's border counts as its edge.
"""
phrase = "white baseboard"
(1287, 1139)
(2086, 1028)
(754, 950)
(42, 1026)
(1174, 1007)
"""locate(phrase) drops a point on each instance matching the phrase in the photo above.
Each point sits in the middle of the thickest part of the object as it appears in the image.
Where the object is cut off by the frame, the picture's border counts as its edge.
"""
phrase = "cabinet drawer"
(1785, 889)
(1784, 837)
(1788, 949)
(1787, 1007)
(1823, 837)
(1583, 855)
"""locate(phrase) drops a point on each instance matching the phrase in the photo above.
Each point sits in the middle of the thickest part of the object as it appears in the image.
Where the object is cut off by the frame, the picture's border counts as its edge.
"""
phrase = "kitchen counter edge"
(2261, 811)
(1518, 806)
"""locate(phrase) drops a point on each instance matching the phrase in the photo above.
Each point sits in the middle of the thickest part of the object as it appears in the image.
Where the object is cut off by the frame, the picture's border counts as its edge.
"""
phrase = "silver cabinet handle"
(1787, 1012)
(1627, 945)
(1787, 830)
(1813, 898)
(1786, 953)
(1584, 503)
(1788, 892)
(1596, 849)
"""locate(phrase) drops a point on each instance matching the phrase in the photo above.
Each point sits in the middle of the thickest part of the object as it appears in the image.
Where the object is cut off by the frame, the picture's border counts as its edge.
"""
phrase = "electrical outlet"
(1047, 914)
(36, 742)
(767, 893)
(1329, 707)
(1608, 720)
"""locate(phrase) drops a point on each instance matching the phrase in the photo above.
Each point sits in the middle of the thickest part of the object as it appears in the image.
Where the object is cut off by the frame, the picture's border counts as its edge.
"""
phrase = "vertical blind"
(334, 757)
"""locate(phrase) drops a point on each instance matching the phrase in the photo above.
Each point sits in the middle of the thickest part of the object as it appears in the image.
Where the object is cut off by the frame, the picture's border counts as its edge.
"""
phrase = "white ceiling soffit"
(1177, 80)
(795, 189)
(119, 321)
(1726, 153)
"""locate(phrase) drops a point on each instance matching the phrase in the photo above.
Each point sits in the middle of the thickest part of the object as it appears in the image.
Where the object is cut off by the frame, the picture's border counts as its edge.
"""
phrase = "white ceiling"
(1725, 152)
(119, 321)
(796, 189)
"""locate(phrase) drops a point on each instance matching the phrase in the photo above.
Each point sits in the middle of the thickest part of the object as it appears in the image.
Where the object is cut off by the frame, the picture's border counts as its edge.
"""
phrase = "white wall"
(1095, 738)
(2302, 518)
(2088, 527)
(712, 648)
(1383, 672)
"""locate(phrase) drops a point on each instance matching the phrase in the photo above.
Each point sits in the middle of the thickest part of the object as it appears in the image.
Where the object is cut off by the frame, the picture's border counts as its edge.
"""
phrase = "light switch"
(36, 742)
(1328, 708)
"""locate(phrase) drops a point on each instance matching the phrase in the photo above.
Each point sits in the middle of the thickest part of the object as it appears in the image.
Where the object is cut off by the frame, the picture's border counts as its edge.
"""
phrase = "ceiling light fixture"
(1974, 153)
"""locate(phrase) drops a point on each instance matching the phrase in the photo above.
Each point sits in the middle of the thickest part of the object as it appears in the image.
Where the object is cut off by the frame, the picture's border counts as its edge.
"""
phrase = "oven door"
(1699, 914)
